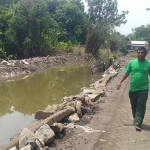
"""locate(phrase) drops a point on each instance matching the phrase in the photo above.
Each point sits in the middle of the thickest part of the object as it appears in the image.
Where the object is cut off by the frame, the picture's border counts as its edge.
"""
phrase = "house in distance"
(135, 45)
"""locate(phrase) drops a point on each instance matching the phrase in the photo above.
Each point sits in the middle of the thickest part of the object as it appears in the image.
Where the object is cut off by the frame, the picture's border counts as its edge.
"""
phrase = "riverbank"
(14, 68)
(92, 110)
(110, 122)
(96, 120)
(87, 134)
(96, 94)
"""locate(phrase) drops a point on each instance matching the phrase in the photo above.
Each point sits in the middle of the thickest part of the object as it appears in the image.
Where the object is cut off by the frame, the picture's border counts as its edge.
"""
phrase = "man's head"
(141, 53)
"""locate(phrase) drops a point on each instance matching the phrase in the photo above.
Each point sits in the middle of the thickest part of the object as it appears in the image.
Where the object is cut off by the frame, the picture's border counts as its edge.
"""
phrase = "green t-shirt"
(139, 74)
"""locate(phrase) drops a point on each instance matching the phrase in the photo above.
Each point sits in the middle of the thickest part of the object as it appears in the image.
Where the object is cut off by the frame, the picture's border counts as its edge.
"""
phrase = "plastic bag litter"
(87, 129)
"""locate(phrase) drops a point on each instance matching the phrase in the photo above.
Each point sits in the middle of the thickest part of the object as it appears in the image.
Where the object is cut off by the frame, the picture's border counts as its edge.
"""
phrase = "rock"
(4, 62)
(74, 117)
(94, 97)
(13, 148)
(42, 114)
(88, 91)
(57, 127)
(28, 147)
(25, 62)
(26, 137)
(78, 108)
(87, 101)
(70, 108)
(46, 133)
(46, 148)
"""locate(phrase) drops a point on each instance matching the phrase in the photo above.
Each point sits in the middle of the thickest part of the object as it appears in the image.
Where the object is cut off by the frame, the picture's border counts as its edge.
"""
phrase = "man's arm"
(123, 78)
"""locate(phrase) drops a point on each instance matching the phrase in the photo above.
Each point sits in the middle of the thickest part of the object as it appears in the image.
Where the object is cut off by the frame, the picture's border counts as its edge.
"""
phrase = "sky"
(138, 15)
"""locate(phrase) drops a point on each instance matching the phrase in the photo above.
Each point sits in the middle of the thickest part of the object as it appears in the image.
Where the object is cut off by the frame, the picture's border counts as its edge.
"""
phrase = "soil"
(15, 68)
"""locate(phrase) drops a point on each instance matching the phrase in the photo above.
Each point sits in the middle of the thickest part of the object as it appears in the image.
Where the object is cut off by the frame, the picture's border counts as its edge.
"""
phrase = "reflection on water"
(20, 99)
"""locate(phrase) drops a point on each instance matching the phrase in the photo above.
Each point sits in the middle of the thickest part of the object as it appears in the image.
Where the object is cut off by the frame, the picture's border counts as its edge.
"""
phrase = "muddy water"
(21, 98)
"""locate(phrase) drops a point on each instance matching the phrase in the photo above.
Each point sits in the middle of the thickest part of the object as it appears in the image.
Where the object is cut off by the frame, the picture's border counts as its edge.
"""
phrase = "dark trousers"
(138, 101)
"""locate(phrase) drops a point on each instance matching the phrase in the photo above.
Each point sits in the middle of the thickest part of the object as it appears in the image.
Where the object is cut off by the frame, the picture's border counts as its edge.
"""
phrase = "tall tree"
(104, 15)
(106, 10)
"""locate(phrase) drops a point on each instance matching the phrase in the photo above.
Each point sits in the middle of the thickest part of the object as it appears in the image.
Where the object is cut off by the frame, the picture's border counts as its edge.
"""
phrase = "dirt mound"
(14, 68)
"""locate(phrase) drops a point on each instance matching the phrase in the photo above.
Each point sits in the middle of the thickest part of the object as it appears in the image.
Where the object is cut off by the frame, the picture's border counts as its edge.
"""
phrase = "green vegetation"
(141, 33)
(30, 28)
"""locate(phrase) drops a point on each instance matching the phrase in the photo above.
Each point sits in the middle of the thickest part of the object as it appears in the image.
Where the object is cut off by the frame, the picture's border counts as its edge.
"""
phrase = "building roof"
(139, 42)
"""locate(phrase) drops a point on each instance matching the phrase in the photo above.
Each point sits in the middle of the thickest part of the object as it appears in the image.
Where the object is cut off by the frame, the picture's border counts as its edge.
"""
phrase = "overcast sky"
(138, 15)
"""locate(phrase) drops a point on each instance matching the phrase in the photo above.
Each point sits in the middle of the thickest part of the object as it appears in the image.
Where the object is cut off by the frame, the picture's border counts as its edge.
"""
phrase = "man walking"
(139, 85)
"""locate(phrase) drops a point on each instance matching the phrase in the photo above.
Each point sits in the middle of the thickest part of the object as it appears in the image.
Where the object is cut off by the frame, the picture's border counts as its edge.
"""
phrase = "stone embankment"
(51, 124)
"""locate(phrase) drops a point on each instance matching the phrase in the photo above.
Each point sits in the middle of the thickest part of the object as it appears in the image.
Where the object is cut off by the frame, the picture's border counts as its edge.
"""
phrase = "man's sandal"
(138, 128)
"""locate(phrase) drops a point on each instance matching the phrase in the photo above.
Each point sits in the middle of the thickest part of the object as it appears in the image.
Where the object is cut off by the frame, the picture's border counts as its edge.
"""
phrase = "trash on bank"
(87, 129)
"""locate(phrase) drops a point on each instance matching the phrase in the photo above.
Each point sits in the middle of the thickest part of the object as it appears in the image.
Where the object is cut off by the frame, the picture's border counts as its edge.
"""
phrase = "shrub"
(64, 47)
(2, 55)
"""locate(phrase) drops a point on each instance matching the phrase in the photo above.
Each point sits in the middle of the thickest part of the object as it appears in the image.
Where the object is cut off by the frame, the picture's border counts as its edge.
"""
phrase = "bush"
(64, 47)
(111, 59)
(2, 55)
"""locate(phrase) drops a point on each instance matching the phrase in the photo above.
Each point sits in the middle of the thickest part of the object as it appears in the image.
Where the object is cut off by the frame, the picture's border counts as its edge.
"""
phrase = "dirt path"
(112, 118)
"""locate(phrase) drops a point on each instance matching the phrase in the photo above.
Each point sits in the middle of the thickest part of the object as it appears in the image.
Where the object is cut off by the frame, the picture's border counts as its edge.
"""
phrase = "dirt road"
(111, 127)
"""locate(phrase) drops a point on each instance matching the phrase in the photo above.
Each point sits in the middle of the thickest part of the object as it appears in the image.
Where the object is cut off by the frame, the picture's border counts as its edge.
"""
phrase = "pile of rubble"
(14, 68)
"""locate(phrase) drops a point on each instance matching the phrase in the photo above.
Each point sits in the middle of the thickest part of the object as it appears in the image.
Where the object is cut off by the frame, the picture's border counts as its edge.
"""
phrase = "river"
(21, 98)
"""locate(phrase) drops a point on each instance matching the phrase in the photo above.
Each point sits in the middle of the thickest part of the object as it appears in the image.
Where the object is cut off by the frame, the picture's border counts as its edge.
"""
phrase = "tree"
(31, 27)
(72, 20)
(8, 2)
(79, 3)
(5, 15)
(105, 10)
(104, 15)
(117, 41)
(141, 33)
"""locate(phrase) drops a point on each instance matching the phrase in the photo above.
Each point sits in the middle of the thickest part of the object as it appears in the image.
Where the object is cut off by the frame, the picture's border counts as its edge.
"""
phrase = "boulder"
(45, 133)
(26, 137)
(42, 114)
